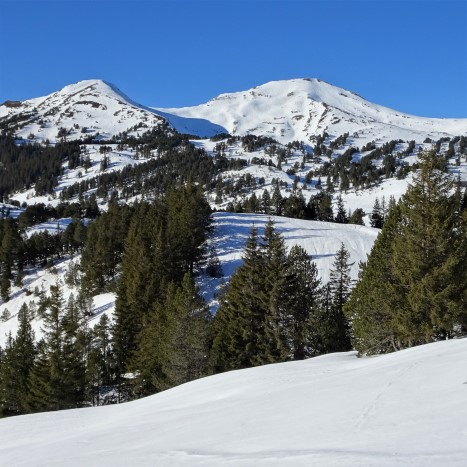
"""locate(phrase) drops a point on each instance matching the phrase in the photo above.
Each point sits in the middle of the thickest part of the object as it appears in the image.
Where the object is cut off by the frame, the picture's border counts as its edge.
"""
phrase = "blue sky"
(409, 55)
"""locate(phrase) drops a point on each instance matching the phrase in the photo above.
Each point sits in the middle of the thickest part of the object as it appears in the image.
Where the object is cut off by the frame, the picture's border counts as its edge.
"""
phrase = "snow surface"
(299, 109)
(321, 240)
(402, 409)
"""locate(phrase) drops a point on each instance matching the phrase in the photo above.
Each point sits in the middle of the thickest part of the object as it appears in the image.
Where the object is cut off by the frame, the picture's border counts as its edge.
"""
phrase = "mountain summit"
(300, 109)
(86, 108)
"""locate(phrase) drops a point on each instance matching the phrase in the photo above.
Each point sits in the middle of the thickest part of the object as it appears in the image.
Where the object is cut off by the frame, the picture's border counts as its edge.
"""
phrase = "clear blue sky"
(409, 55)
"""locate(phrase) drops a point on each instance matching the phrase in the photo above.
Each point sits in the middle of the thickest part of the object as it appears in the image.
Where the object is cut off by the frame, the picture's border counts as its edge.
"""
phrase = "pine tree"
(76, 344)
(356, 217)
(412, 289)
(377, 215)
(266, 202)
(18, 361)
(53, 383)
(239, 322)
(430, 254)
(187, 335)
(339, 288)
(341, 215)
(378, 296)
(272, 347)
(100, 362)
(302, 304)
(277, 201)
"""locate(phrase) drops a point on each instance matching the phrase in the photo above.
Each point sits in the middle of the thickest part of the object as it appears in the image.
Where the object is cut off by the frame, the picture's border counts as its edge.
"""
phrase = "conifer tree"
(302, 304)
(100, 362)
(378, 296)
(18, 361)
(54, 381)
(266, 202)
(413, 287)
(339, 288)
(341, 215)
(429, 254)
(277, 200)
(186, 335)
(272, 347)
(239, 322)
(377, 215)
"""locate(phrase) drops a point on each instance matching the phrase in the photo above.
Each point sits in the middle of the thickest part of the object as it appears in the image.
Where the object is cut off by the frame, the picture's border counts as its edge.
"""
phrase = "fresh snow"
(405, 408)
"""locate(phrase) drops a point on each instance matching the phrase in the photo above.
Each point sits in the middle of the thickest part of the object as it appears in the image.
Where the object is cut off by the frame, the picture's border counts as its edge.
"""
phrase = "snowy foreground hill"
(407, 408)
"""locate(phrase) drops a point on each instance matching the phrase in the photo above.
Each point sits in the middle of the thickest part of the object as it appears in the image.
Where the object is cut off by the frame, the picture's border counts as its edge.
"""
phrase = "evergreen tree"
(339, 288)
(266, 202)
(238, 326)
(430, 254)
(341, 215)
(413, 288)
(302, 304)
(186, 335)
(356, 217)
(377, 215)
(56, 381)
(272, 347)
(16, 367)
(277, 201)
(378, 296)
(100, 362)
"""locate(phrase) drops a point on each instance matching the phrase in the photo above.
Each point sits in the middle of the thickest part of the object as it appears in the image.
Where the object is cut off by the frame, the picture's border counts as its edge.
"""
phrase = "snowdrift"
(406, 408)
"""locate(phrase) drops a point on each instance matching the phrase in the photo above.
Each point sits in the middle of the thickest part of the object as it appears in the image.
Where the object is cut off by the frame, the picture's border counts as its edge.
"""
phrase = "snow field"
(406, 408)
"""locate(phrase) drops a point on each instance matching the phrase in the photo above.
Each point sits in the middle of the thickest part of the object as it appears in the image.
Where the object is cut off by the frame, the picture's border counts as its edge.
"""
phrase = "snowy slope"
(95, 105)
(321, 240)
(406, 408)
(299, 109)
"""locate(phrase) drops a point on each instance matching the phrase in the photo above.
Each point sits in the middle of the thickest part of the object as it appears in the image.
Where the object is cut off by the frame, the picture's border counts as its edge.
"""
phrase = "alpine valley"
(143, 248)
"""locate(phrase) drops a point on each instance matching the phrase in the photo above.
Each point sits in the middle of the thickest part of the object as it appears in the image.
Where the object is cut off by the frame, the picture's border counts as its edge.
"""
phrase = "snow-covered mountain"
(289, 110)
(405, 408)
(86, 108)
(300, 109)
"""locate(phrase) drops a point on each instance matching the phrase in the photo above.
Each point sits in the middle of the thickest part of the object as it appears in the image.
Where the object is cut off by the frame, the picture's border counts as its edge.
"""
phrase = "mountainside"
(301, 109)
(405, 408)
(87, 108)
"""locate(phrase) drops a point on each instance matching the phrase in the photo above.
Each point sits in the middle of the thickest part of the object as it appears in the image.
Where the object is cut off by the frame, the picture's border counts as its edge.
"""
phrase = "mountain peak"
(91, 107)
(303, 108)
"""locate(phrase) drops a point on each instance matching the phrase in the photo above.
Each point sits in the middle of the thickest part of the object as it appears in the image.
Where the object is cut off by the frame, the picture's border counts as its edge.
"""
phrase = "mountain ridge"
(287, 110)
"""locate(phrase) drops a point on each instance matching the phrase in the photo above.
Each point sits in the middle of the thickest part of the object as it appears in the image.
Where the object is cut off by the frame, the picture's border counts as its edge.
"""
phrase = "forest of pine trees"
(275, 309)
(411, 290)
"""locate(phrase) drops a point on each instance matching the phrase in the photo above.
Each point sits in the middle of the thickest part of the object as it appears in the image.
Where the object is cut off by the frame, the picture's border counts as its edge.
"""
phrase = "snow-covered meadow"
(405, 408)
